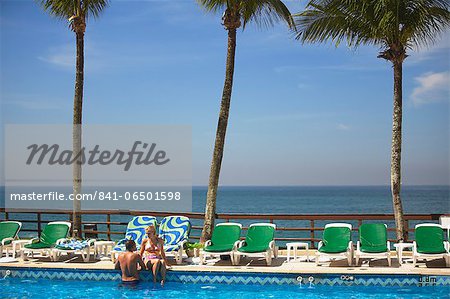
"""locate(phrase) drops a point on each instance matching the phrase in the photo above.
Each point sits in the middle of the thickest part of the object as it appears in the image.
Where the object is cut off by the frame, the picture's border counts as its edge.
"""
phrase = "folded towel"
(73, 245)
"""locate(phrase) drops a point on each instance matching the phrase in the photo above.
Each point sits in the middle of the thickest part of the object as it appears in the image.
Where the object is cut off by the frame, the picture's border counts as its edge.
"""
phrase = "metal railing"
(112, 224)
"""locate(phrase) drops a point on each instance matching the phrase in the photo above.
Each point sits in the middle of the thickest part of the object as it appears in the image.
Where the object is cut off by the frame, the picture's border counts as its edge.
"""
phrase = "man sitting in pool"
(152, 252)
(128, 262)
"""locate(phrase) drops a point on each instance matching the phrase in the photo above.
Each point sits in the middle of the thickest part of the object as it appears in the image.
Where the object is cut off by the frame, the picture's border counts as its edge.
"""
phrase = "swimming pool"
(49, 289)
(71, 283)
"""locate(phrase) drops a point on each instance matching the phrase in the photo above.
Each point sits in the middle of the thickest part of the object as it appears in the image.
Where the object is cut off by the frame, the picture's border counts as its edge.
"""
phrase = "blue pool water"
(44, 288)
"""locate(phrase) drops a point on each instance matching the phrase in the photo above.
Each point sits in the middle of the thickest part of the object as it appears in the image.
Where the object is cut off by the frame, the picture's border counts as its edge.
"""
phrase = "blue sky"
(300, 114)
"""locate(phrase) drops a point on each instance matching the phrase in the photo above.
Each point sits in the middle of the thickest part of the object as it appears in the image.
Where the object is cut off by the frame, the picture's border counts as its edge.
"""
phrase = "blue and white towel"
(136, 231)
(174, 230)
(73, 244)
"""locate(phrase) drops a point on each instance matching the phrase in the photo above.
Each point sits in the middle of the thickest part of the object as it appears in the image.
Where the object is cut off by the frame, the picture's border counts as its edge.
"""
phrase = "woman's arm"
(141, 252)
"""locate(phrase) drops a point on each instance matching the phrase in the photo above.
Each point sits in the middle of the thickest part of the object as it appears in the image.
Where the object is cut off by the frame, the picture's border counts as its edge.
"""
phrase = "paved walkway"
(433, 267)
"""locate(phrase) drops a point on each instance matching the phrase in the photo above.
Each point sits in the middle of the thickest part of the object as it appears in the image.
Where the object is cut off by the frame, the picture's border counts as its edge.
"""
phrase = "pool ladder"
(310, 280)
(7, 273)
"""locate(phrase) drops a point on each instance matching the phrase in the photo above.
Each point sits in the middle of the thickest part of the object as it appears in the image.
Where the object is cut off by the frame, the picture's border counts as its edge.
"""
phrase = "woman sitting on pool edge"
(152, 252)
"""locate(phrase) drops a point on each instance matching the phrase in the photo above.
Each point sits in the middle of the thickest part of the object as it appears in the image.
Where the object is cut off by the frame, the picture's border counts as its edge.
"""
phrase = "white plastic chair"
(445, 223)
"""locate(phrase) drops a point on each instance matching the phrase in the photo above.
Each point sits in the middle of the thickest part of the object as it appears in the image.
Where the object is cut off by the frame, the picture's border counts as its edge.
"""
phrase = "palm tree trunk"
(396, 153)
(210, 209)
(77, 132)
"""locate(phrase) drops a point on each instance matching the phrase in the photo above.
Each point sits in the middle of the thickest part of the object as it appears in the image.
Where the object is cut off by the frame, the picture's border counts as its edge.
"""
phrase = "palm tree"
(235, 14)
(76, 12)
(396, 26)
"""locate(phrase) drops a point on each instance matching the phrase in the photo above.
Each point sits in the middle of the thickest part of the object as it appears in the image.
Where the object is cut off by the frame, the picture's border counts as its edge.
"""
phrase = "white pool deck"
(279, 265)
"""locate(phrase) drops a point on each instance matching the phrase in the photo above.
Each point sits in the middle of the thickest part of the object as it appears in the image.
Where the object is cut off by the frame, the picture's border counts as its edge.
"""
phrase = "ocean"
(319, 199)
(324, 199)
(298, 200)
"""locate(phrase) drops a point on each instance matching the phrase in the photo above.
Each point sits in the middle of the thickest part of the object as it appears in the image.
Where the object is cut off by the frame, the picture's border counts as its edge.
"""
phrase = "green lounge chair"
(258, 242)
(9, 231)
(224, 241)
(336, 242)
(53, 233)
(373, 242)
(430, 243)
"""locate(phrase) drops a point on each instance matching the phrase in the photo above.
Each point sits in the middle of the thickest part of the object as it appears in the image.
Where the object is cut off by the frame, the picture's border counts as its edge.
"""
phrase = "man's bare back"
(128, 263)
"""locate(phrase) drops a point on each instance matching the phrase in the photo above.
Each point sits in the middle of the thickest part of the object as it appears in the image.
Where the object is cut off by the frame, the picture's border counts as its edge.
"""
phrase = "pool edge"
(226, 277)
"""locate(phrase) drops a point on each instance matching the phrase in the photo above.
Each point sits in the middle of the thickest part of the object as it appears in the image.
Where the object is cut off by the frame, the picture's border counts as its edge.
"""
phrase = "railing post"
(108, 226)
(71, 220)
(6, 216)
(39, 224)
(312, 234)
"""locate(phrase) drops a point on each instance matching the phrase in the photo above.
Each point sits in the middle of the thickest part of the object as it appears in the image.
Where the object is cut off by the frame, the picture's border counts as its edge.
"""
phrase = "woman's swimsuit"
(151, 251)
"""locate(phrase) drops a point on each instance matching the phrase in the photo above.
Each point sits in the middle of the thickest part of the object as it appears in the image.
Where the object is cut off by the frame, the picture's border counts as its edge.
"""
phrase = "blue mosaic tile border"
(233, 277)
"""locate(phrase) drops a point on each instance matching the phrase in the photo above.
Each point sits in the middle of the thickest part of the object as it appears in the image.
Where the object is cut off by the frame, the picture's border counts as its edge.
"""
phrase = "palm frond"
(378, 22)
(214, 5)
(425, 21)
(93, 8)
(335, 21)
(65, 9)
(58, 8)
(264, 13)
